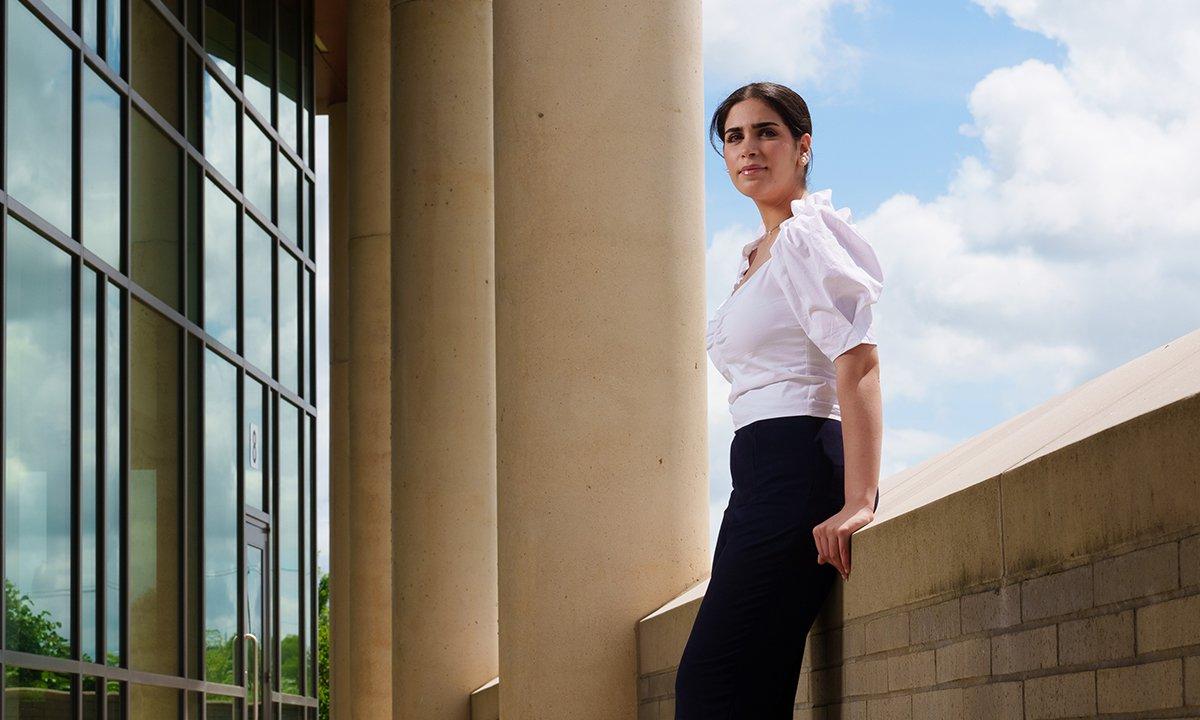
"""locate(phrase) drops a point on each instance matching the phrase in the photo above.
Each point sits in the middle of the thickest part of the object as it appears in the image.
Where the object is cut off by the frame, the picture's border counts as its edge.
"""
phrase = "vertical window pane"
(220, 265)
(255, 438)
(148, 702)
(37, 488)
(195, 189)
(196, 578)
(306, 550)
(153, 493)
(91, 697)
(254, 654)
(89, 481)
(221, 516)
(36, 694)
(289, 321)
(290, 666)
(220, 128)
(101, 169)
(257, 294)
(220, 34)
(38, 115)
(154, 210)
(112, 26)
(289, 215)
(114, 435)
(221, 707)
(257, 81)
(91, 8)
(289, 70)
(155, 61)
(256, 165)
(63, 9)
(193, 102)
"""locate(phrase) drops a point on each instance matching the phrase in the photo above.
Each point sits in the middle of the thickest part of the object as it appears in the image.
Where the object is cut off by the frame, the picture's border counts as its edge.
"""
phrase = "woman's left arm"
(862, 439)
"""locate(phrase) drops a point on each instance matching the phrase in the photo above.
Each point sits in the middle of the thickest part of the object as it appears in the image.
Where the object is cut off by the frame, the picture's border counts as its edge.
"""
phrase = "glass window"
(220, 265)
(289, 320)
(257, 81)
(36, 694)
(255, 437)
(220, 128)
(193, 103)
(195, 190)
(153, 493)
(289, 185)
(220, 34)
(290, 666)
(89, 467)
(196, 452)
(155, 61)
(257, 294)
(154, 164)
(37, 487)
(222, 707)
(38, 115)
(289, 71)
(222, 513)
(91, 9)
(101, 168)
(91, 697)
(149, 702)
(113, 435)
(256, 166)
(112, 29)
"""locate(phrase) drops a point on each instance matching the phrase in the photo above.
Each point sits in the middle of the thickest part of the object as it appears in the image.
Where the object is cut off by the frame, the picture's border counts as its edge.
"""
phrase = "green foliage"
(218, 657)
(323, 645)
(33, 632)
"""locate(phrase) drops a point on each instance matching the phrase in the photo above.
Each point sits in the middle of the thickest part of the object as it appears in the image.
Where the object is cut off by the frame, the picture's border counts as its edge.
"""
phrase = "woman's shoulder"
(824, 239)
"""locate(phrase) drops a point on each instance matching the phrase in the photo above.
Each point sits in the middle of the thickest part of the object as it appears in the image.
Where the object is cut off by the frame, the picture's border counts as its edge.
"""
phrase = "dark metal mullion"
(102, 321)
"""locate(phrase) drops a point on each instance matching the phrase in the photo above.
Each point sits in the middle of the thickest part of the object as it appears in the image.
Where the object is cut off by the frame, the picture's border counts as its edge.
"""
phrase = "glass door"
(256, 664)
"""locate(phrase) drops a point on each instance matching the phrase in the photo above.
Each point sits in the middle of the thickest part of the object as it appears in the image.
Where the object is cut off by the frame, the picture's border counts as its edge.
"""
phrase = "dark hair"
(785, 101)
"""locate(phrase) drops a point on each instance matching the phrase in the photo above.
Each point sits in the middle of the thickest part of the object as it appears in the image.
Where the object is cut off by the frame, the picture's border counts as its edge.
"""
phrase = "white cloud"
(743, 39)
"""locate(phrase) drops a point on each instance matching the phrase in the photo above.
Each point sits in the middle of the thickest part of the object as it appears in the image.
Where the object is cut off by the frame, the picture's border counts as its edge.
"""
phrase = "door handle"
(257, 689)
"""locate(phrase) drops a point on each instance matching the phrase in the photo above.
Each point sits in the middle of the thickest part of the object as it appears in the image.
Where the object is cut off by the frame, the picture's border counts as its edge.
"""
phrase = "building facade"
(158, 350)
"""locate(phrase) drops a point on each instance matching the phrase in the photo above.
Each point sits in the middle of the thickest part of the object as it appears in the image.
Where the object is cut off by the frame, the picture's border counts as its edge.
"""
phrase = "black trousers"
(742, 659)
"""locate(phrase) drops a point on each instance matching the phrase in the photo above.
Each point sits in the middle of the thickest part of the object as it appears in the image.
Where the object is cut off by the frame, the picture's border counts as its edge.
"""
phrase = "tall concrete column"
(339, 425)
(602, 439)
(369, 688)
(443, 313)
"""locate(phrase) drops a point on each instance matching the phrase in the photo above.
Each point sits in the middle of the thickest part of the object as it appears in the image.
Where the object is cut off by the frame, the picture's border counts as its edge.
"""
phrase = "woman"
(795, 340)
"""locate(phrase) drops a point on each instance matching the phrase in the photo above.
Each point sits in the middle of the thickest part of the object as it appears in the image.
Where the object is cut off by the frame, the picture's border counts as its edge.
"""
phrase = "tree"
(323, 645)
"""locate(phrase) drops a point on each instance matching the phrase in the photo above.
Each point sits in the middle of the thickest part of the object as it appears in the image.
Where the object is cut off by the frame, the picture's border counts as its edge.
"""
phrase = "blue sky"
(1015, 165)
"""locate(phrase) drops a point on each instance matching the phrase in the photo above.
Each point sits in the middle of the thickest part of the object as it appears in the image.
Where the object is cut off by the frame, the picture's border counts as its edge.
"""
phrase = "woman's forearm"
(862, 422)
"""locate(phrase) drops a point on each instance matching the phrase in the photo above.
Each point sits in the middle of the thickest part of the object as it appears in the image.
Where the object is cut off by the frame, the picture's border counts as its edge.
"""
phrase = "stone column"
(443, 313)
(369, 688)
(339, 425)
(602, 443)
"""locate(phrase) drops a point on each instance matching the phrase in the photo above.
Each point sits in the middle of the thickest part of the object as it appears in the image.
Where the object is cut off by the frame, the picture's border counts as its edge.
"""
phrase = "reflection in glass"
(220, 265)
(289, 321)
(290, 666)
(288, 197)
(196, 452)
(220, 128)
(221, 514)
(306, 548)
(256, 166)
(193, 102)
(38, 117)
(222, 707)
(255, 438)
(289, 71)
(257, 82)
(114, 323)
(101, 168)
(153, 496)
(112, 26)
(149, 702)
(89, 467)
(192, 239)
(154, 210)
(291, 712)
(154, 61)
(37, 405)
(91, 697)
(257, 294)
(220, 34)
(254, 622)
(36, 694)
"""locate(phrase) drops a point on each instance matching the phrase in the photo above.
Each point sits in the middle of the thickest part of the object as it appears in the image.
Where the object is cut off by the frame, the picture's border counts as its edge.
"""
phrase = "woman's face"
(755, 137)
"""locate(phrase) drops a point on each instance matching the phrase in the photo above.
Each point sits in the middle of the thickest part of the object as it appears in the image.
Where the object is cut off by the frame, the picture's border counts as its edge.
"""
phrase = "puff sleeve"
(829, 274)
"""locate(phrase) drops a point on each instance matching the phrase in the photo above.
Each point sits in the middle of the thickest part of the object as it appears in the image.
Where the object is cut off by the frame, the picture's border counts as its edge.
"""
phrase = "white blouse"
(776, 336)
